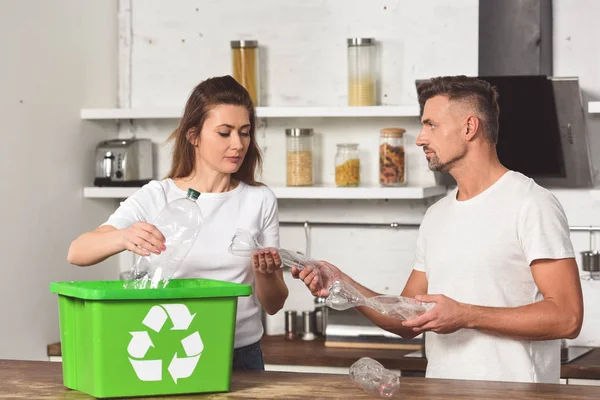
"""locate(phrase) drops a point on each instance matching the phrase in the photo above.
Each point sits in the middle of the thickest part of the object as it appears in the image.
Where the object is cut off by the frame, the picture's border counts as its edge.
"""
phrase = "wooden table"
(278, 351)
(43, 380)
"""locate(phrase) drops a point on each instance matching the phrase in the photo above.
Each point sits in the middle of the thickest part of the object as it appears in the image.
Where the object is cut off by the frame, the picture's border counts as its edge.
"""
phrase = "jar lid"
(347, 145)
(238, 44)
(295, 132)
(393, 132)
(360, 41)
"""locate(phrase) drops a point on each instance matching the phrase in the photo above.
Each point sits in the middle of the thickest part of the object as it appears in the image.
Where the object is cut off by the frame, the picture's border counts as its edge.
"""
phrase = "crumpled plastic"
(342, 295)
(374, 378)
(243, 244)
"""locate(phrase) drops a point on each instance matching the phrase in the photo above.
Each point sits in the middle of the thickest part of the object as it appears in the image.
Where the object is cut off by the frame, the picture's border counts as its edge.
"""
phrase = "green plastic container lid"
(176, 289)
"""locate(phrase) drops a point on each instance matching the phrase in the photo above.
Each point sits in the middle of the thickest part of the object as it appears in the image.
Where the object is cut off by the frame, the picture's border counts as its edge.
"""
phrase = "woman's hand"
(143, 239)
(266, 261)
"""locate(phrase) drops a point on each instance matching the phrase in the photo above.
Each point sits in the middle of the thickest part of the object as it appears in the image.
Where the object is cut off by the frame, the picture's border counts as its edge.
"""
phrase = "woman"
(215, 153)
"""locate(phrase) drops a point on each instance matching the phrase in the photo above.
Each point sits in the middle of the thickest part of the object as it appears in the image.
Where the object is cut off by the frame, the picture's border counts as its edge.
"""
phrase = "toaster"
(124, 162)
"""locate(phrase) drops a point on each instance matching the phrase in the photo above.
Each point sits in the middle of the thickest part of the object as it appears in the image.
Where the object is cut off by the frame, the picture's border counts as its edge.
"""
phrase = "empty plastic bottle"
(179, 222)
(373, 378)
(343, 296)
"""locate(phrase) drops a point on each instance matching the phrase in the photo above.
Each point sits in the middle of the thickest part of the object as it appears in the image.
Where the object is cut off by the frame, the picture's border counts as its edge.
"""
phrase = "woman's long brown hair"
(208, 94)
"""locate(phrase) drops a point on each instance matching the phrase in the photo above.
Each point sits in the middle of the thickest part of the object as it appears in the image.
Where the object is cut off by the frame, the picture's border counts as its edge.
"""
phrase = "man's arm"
(416, 285)
(559, 315)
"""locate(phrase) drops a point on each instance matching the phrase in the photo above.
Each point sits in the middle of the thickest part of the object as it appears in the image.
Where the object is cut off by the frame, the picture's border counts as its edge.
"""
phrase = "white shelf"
(94, 192)
(130, 113)
(356, 193)
(262, 112)
(594, 107)
(375, 111)
(312, 192)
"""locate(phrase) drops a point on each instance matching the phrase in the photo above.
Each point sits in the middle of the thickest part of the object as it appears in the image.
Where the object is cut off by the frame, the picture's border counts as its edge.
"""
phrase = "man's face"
(443, 133)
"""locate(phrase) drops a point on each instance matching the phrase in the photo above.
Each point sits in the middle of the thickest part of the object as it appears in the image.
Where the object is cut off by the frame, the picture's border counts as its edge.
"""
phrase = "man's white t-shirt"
(479, 252)
(253, 208)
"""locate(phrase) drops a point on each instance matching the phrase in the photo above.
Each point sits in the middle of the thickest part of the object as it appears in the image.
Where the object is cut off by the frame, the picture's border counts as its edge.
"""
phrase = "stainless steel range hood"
(542, 130)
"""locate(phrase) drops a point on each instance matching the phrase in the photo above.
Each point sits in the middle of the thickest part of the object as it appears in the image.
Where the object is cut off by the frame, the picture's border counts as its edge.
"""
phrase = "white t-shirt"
(479, 252)
(253, 208)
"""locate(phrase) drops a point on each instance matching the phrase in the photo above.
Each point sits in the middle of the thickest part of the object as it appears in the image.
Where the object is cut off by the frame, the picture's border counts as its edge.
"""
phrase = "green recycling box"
(119, 342)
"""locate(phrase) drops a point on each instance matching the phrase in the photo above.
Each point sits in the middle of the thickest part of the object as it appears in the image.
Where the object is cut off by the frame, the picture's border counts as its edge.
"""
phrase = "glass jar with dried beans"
(392, 165)
(347, 165)
(299, 166)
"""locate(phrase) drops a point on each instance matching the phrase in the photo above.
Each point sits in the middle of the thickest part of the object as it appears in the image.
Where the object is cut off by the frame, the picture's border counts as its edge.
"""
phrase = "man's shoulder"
(442, 203)
(525, 189)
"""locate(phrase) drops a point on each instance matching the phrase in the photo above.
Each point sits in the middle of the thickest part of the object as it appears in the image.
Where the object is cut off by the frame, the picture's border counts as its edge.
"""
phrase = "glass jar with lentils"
(299, 157)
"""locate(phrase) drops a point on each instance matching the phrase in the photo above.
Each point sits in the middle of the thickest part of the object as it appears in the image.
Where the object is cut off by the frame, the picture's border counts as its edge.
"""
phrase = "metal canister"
(290, 325)
(308, 325)
(321, 313)
(590, 262)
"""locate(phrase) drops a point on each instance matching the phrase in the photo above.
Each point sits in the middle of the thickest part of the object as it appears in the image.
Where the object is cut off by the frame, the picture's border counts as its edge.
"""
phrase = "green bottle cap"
(193, 194)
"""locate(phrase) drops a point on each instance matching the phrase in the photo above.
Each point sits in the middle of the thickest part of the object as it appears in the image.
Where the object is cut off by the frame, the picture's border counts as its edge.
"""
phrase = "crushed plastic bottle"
(243, 244)
(179, 222)
(374, 378)
(343, 296)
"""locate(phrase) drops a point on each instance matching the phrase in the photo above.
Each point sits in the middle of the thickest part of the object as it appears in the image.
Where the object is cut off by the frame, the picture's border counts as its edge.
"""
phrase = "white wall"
(576, 30)
(303, 50)
(57, 57)
(176, 45)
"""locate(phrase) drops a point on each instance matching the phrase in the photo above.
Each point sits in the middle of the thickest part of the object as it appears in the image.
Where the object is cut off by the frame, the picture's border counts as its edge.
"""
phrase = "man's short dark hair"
(479, 93)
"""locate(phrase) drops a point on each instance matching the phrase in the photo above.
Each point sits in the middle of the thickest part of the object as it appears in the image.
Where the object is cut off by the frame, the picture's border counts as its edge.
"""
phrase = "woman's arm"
(105, 241)
(271, 289)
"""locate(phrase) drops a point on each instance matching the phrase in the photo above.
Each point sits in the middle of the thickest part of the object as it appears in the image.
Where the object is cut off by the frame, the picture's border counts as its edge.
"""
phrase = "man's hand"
(447, 316)
(318, 277)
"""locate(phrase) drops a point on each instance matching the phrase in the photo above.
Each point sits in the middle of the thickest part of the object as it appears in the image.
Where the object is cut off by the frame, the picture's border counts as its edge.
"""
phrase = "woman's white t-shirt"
(253, 208)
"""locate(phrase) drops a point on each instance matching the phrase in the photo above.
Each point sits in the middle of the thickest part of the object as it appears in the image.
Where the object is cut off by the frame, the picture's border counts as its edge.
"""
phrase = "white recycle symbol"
(179, 368)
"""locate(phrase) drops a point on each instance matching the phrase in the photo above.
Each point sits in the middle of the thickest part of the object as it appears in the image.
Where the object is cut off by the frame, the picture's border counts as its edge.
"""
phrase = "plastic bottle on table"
(373, 378)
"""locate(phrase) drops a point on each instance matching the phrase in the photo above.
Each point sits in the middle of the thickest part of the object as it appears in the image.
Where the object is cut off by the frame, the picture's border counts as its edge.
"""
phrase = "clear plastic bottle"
(179, 222)
(373, 378)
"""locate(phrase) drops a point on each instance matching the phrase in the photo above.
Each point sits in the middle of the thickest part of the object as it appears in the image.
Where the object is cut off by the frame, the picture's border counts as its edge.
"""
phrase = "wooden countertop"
(43, 380)
(278, 351)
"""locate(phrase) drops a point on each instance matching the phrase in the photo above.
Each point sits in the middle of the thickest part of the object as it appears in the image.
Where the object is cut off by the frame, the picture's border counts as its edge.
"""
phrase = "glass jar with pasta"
(245, 66)
(392, 166)
(299, 157)
(362, 79)
(347, 165)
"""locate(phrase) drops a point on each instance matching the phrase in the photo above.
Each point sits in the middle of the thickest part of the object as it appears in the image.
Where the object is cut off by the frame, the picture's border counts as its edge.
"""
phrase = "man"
(494, 255)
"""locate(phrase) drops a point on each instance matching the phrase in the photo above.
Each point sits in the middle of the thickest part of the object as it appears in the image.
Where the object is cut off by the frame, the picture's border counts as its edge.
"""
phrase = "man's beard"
(437, 166)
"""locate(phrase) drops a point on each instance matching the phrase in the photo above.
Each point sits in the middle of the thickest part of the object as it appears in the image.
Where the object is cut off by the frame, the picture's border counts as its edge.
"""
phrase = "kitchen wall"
(176, 45)
(56, 58)
(303, 50)
(576, 53)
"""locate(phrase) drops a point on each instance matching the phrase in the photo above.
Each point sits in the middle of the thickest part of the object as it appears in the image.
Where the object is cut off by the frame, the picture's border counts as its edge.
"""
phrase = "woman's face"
(224, 139)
